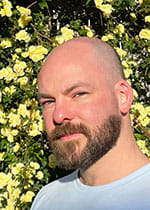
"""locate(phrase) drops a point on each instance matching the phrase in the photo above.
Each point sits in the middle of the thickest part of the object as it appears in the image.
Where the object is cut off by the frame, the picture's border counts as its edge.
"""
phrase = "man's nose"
(63, 113)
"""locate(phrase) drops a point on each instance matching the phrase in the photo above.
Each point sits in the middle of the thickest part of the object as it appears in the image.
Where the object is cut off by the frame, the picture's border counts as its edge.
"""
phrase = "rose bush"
(28, 33)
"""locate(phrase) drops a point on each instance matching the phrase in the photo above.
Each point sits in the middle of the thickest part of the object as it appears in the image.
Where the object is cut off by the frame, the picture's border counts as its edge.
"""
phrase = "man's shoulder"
(61, 181)
(50, 192)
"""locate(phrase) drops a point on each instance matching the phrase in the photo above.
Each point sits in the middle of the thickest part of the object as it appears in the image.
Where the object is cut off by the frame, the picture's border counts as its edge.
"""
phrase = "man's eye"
(47, 102)
(80, 94)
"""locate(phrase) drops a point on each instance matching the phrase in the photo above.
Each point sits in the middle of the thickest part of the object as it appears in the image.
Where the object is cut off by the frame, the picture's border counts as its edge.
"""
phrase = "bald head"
(83, 48)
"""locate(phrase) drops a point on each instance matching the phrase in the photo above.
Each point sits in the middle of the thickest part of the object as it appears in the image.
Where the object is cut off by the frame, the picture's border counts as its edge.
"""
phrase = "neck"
(122, 160)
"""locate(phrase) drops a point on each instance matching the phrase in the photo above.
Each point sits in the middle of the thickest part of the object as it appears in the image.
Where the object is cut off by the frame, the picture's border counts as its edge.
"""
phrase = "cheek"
(97, 111)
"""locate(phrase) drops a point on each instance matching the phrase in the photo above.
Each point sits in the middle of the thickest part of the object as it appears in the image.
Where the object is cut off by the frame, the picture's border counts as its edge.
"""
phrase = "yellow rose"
(6, 10)
(35, 165)
(121, 52)
(37, 53)
(144, 34)
(89, 31)
(5, 44)
(39, 175)
(22, 110)
(7, 73)
(10, 89)
(23, 81)
(27, 197)
(147, 18)
(128, 72)
(98, 3)
(16, 169)
(16, 147)
(24, 20)
(14, 119)
(67, 34)
(4, 179)
(23, 11)
(23, 35)
(106, 9)
(133, 15)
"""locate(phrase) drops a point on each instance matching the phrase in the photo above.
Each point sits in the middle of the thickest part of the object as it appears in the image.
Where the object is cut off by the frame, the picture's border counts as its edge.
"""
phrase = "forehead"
(70, 66)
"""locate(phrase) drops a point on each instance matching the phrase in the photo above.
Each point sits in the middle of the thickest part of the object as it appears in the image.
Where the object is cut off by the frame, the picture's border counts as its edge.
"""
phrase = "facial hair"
(98, 142)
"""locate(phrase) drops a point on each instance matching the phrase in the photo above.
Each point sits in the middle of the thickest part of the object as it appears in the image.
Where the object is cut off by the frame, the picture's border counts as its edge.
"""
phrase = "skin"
(81, 82)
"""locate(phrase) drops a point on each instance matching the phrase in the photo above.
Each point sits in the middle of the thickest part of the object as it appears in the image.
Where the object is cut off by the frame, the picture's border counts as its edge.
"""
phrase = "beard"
(98, 142)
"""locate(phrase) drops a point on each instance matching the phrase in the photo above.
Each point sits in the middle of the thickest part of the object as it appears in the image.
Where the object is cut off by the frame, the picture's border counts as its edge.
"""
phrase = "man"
(86, 104)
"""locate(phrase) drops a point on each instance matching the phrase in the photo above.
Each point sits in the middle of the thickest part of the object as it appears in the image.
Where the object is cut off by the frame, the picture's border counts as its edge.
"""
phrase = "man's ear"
(125, 96)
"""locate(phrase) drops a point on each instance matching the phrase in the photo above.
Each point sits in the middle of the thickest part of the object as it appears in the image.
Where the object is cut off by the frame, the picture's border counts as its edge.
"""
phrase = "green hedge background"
(29, 31)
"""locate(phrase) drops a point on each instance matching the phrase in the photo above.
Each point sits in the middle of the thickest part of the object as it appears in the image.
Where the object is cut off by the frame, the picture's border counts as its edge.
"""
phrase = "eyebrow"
(76, 85)
(65, 92)
(43, 95)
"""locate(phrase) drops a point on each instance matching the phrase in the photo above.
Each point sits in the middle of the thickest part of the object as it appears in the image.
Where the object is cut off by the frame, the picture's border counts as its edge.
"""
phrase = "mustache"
(68, 129)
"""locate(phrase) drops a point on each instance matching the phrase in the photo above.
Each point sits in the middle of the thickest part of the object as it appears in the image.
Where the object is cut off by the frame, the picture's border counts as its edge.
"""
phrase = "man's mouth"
(69, 137)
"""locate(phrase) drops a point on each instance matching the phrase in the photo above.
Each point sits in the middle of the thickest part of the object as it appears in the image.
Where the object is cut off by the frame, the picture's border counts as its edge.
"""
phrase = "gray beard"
(99, 142)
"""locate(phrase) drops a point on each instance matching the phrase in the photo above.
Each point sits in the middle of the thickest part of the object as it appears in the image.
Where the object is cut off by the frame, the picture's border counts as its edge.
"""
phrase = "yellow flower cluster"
(37, 53)
(107, 37)
(18, 118)
(25, 16)
(7, 74)
(105, 8)
(9, 133)
(141, 113)
(147, 18)
(119, 29)
(22, 35)
(17, 169)
(133, 15)
(9, 90)
(122, 53)
(27, 197)
(14, 119)
(23, 81)
(16, 147)
(140, 1)
(23, 111)
(127, 67)
(142, 146)
(145, 34)
(19, 68)
(10, 179)
(12, 193)
(36, 128)
(5, 44)
(6, 8)
(67, 34)
(35, 165)
(89, 31)
(11, 184)
(39, 175)
(4, 179)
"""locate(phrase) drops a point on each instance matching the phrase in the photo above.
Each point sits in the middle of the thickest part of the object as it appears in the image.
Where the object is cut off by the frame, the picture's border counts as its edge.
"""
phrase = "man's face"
(80, 109)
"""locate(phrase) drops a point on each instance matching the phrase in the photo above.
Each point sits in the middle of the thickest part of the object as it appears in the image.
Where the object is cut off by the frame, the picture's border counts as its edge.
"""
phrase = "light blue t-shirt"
(68, 193)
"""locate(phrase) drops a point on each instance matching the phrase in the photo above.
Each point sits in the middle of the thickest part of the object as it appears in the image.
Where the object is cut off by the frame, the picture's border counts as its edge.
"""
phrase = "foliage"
(28, 33)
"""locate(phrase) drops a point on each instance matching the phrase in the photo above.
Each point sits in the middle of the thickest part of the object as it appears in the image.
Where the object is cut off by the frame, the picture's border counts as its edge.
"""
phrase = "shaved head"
(104, 55)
